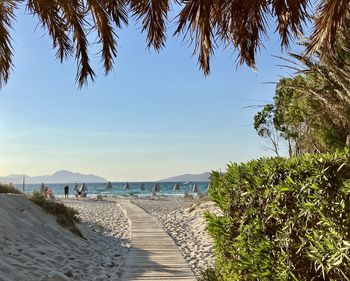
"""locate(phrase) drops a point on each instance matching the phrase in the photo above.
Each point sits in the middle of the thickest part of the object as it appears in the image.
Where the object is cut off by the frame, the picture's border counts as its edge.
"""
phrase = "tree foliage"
(312, 109)
(207, 23)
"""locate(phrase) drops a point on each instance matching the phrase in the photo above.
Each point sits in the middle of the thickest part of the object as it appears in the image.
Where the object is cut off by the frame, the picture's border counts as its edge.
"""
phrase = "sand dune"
(33, 247)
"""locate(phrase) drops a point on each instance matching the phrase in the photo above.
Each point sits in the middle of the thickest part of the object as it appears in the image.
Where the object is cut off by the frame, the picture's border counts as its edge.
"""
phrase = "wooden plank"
(153, 254)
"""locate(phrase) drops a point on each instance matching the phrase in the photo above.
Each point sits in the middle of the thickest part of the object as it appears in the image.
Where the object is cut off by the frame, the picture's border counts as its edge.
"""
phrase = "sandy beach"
(34, 247)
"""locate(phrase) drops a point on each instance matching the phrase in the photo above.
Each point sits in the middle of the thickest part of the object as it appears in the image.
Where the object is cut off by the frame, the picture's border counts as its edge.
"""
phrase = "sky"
(154, 117)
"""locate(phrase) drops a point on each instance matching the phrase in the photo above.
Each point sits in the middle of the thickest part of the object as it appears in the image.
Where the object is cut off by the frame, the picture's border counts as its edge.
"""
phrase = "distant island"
(58, 177)
(204, 177)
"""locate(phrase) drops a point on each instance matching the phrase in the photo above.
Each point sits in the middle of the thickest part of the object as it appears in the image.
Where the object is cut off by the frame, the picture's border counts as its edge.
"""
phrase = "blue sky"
(155, 116)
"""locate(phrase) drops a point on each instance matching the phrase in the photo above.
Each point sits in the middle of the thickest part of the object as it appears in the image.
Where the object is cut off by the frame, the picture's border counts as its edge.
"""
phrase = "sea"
(118, 188)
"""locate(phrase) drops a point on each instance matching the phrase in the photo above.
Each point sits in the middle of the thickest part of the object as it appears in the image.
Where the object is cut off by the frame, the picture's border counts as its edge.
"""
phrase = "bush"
(9, 189)
(209, 274)
(66, 216)
(284, 219)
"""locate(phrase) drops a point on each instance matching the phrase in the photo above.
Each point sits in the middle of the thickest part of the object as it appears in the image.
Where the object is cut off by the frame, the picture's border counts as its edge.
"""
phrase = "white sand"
(183, 221)
(33, 247)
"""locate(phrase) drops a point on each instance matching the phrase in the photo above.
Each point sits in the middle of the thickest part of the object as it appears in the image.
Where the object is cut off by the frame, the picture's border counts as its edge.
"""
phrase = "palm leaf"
(196, 19)
(153, 14)
(50, 17)
(6, 16)
(330, 16)
(105, 32)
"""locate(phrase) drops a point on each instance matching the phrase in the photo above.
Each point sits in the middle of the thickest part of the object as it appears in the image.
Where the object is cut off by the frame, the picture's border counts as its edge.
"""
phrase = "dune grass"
(9, 189)
(66, 216)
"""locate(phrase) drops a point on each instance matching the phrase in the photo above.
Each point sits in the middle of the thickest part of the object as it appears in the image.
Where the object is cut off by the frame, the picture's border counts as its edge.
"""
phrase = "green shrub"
(284, 219)
(209, 274)
(65, 216)
(4, 188)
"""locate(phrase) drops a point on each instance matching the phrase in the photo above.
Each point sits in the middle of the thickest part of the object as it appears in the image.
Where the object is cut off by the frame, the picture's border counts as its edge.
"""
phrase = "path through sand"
(153, 254)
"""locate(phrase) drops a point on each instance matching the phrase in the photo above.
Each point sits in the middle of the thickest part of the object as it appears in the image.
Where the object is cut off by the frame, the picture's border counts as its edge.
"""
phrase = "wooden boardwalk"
(153, 254)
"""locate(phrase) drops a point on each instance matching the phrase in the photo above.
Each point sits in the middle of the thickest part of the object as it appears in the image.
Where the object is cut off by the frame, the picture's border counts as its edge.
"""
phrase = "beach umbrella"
(83, 188)
(195, 188)
(126, 186)
(156, 188)
(176, 187)
(142, 187)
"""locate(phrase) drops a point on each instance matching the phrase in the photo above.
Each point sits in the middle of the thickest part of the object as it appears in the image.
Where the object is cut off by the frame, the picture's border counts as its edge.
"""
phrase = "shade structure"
(142, 187)
(109, 185)
(176, 187)
(195, 188)
(126, 186)
(156, 188)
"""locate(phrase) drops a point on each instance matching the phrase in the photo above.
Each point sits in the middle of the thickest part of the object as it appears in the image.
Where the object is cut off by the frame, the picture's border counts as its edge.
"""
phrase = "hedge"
(283, 219)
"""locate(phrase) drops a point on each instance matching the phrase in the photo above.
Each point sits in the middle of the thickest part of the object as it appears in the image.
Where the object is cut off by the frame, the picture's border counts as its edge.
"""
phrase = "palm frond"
(196, 19)
(105, 32)
(6, 17)
(248, 29)
(291, 15)
(74, 12)
(117, 10)
(330, 16)
(154, 16)
(50, 17)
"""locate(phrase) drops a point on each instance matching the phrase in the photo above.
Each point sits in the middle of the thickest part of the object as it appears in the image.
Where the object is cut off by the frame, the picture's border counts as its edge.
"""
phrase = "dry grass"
(66, 216)
(9, 189)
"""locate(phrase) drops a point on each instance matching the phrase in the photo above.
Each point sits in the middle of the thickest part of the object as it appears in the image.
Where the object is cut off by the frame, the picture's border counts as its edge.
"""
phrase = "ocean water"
(118, 188)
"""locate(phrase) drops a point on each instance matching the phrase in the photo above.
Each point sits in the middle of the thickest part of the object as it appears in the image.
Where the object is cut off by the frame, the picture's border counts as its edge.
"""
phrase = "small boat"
(186, 183)
(126, 186)
(109, 185)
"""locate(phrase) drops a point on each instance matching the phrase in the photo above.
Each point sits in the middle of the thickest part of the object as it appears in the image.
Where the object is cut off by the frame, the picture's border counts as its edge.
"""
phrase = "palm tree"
(208, 24)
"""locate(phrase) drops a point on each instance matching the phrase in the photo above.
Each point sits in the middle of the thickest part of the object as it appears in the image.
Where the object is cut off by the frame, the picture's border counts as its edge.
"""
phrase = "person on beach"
(50, 194)
(42, 189)
(66, 191)
(76, 190)
(46, 192)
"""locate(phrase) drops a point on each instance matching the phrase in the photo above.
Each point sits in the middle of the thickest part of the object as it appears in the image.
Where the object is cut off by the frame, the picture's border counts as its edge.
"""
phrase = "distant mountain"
(205, 177)
(58, 177)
